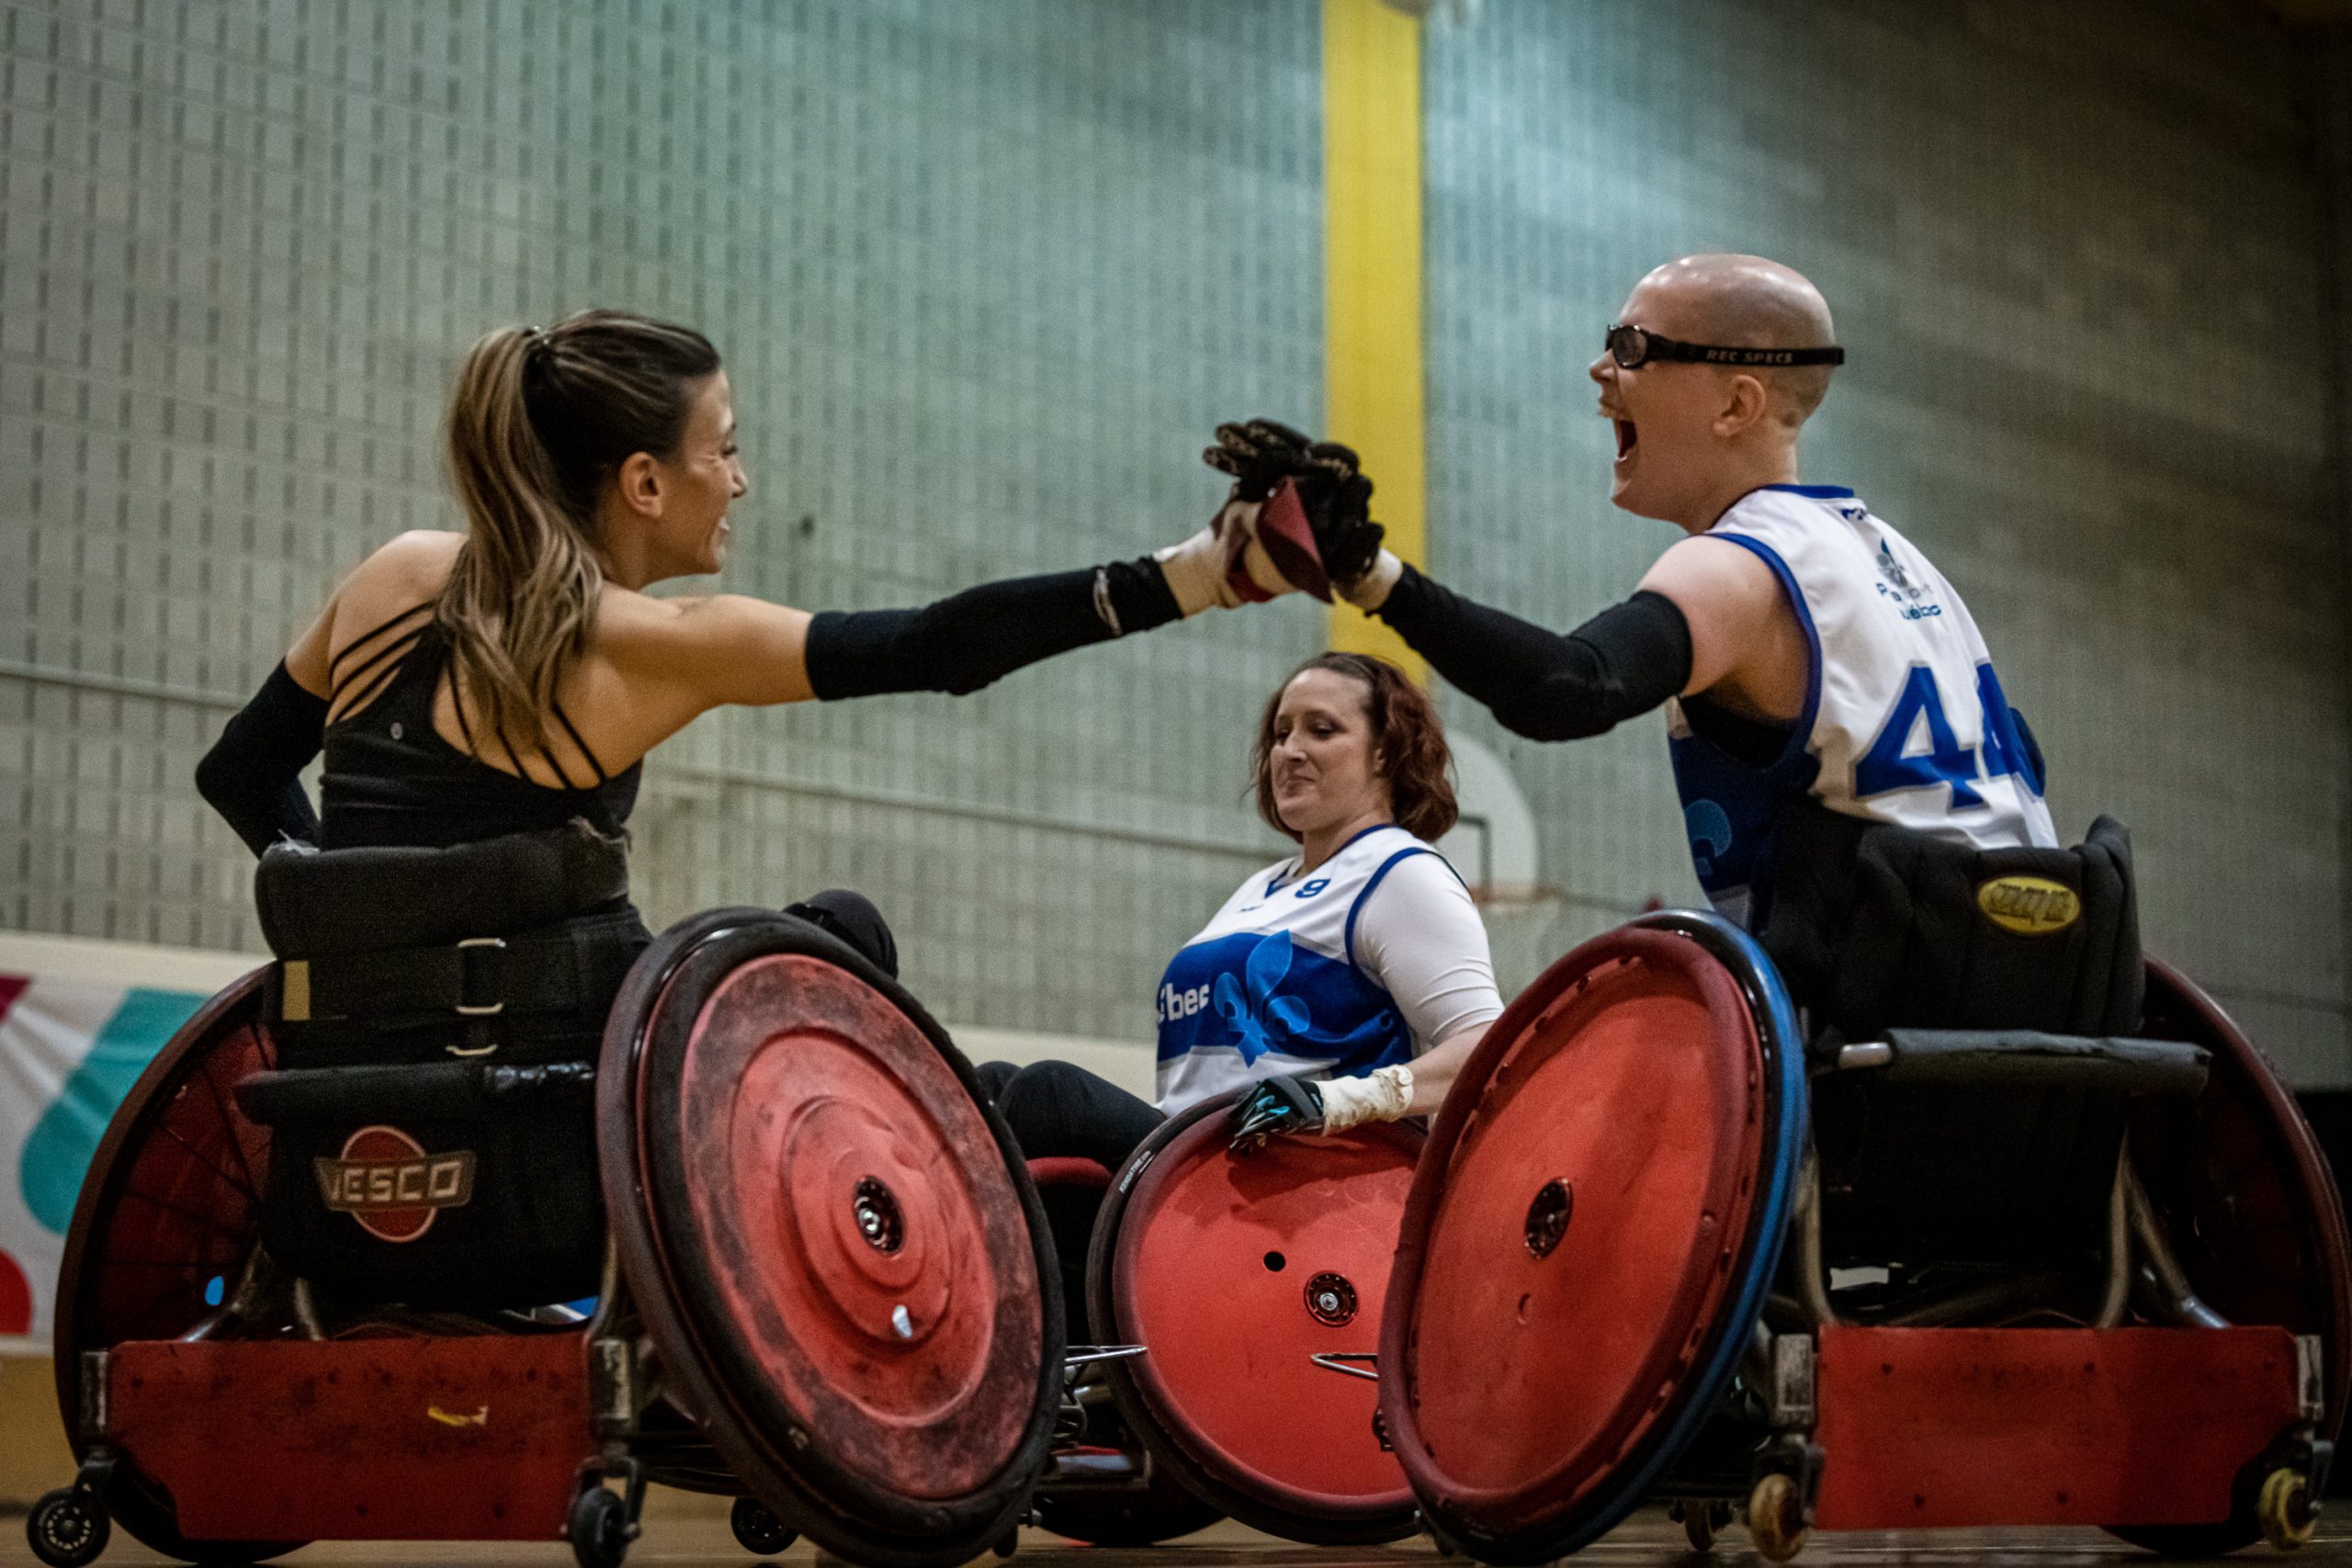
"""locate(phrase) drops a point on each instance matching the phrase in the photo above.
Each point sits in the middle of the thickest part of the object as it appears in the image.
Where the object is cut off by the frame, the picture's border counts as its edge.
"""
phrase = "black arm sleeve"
(1624, 661)
(963, 642)
(253, 774)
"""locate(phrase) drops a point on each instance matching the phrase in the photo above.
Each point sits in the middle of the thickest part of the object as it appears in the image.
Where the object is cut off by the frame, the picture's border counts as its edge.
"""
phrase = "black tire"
(598, 1528)
(2186, 1541)
(757, 1529)
(1164, 1513)
(67, 1528)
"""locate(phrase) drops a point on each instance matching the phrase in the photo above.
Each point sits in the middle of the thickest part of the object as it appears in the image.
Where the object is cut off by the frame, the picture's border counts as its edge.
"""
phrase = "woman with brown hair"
(1348, 982)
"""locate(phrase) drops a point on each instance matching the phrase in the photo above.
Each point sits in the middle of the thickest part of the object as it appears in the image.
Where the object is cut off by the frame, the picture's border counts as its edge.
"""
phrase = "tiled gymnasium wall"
(985, 276)
(2073, 254)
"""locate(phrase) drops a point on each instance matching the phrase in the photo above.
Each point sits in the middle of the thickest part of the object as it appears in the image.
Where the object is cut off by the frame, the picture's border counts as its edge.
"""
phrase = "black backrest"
(1878, 927)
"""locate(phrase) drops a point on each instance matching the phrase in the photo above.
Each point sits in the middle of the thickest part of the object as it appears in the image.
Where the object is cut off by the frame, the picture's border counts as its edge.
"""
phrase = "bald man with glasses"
(1813, 665)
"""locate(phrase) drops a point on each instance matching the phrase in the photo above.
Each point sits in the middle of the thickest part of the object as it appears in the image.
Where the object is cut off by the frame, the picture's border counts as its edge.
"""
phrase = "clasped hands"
(1297, 519)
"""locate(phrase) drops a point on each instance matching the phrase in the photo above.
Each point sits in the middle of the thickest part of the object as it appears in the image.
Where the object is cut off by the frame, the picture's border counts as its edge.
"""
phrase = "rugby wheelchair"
(304, 1291)
(1240, 1298)
(2010, 1228)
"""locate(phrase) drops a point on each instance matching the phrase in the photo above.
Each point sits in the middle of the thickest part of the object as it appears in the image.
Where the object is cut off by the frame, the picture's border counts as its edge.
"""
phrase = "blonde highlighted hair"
(540, 421)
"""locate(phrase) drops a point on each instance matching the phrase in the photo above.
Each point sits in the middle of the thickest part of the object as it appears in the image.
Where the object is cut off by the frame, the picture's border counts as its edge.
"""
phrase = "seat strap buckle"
(481, 973)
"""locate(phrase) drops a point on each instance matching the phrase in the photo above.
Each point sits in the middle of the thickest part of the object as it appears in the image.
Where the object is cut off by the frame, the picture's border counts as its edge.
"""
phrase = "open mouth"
(1626, 436)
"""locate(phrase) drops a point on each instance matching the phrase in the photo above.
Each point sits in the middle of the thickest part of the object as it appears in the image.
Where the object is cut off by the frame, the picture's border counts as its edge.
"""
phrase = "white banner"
(79, 1021)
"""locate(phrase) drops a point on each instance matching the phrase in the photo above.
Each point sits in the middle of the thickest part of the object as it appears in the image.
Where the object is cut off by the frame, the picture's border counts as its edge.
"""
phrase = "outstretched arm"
(1624, 661)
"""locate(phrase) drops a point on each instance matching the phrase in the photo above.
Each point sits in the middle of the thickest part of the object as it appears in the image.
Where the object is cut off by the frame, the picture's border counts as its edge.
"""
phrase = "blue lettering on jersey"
(2005, 752)
(1888, 765)
(1309, 889)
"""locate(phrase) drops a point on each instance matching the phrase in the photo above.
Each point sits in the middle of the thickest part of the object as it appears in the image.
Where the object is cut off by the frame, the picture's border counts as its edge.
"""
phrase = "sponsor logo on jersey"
(1891, 569)
(2029, 906)
(387, 1183)
(1175, 1004)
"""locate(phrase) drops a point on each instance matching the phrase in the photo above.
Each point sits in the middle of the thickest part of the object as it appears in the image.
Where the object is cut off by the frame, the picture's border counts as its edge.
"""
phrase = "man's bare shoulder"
(1713, 574)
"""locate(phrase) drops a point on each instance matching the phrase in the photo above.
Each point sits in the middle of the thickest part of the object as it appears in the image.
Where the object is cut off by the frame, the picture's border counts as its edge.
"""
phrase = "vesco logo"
(2029, 906)
(386, 1182)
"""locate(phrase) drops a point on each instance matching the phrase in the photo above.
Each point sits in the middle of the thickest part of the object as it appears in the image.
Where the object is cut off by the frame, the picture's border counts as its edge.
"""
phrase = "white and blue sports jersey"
(1904, 721)
(1309, 975)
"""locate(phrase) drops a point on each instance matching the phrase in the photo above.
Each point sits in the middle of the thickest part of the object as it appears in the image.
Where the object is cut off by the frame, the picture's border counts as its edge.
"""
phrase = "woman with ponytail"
(453, 923)
(510, 679)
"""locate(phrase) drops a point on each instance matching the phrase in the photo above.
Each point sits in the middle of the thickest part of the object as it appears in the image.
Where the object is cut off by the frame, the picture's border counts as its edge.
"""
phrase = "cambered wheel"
(1776, 1517)
(835, 1244)
(757, 1531)
(170, 1212)
(67, 1527)
(1237, 1272)
(1612, 1169)
(2253, 1213)
(598, 1528)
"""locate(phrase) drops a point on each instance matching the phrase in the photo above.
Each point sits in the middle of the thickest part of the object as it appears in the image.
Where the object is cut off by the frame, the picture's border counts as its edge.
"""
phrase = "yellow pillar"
(1372, 194)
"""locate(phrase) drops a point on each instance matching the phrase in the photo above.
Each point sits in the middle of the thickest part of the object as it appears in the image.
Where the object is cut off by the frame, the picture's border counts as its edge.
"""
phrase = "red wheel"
(1589, 1234)
(2251, 1208)
(837, 1250)
(1235, 1272)
(170, 1211)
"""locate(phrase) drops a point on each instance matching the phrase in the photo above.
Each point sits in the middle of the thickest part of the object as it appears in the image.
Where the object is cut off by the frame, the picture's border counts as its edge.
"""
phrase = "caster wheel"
(1009, 1544)
(599, 1528)
(1702, 1522)
(2285, 1509)
(1776, 1518)
(67, 1528)
(757, 1531)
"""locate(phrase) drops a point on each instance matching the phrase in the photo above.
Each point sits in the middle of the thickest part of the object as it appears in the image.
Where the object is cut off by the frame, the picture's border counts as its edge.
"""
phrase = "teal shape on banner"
(59, 1151)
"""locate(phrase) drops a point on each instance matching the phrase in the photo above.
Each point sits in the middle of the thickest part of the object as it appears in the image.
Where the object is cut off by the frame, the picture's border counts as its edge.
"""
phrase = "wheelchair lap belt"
(478, 977)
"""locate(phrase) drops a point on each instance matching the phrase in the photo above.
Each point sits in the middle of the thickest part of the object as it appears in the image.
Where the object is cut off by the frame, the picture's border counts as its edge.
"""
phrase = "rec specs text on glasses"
(1634, 346)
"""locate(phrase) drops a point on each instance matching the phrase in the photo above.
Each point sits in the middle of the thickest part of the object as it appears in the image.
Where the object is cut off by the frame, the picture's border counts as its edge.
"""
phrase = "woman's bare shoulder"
(419, 559)
(730, 647)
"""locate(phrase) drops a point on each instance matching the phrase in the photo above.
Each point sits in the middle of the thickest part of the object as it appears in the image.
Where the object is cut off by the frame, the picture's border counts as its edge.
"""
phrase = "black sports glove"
(1289, 1103)
(1334, 493)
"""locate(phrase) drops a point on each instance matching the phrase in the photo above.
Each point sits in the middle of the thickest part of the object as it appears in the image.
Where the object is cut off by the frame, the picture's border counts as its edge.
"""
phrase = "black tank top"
(390, 781)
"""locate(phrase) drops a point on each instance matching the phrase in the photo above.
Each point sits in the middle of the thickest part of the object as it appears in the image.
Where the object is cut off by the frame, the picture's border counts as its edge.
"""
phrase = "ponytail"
(521, 600)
